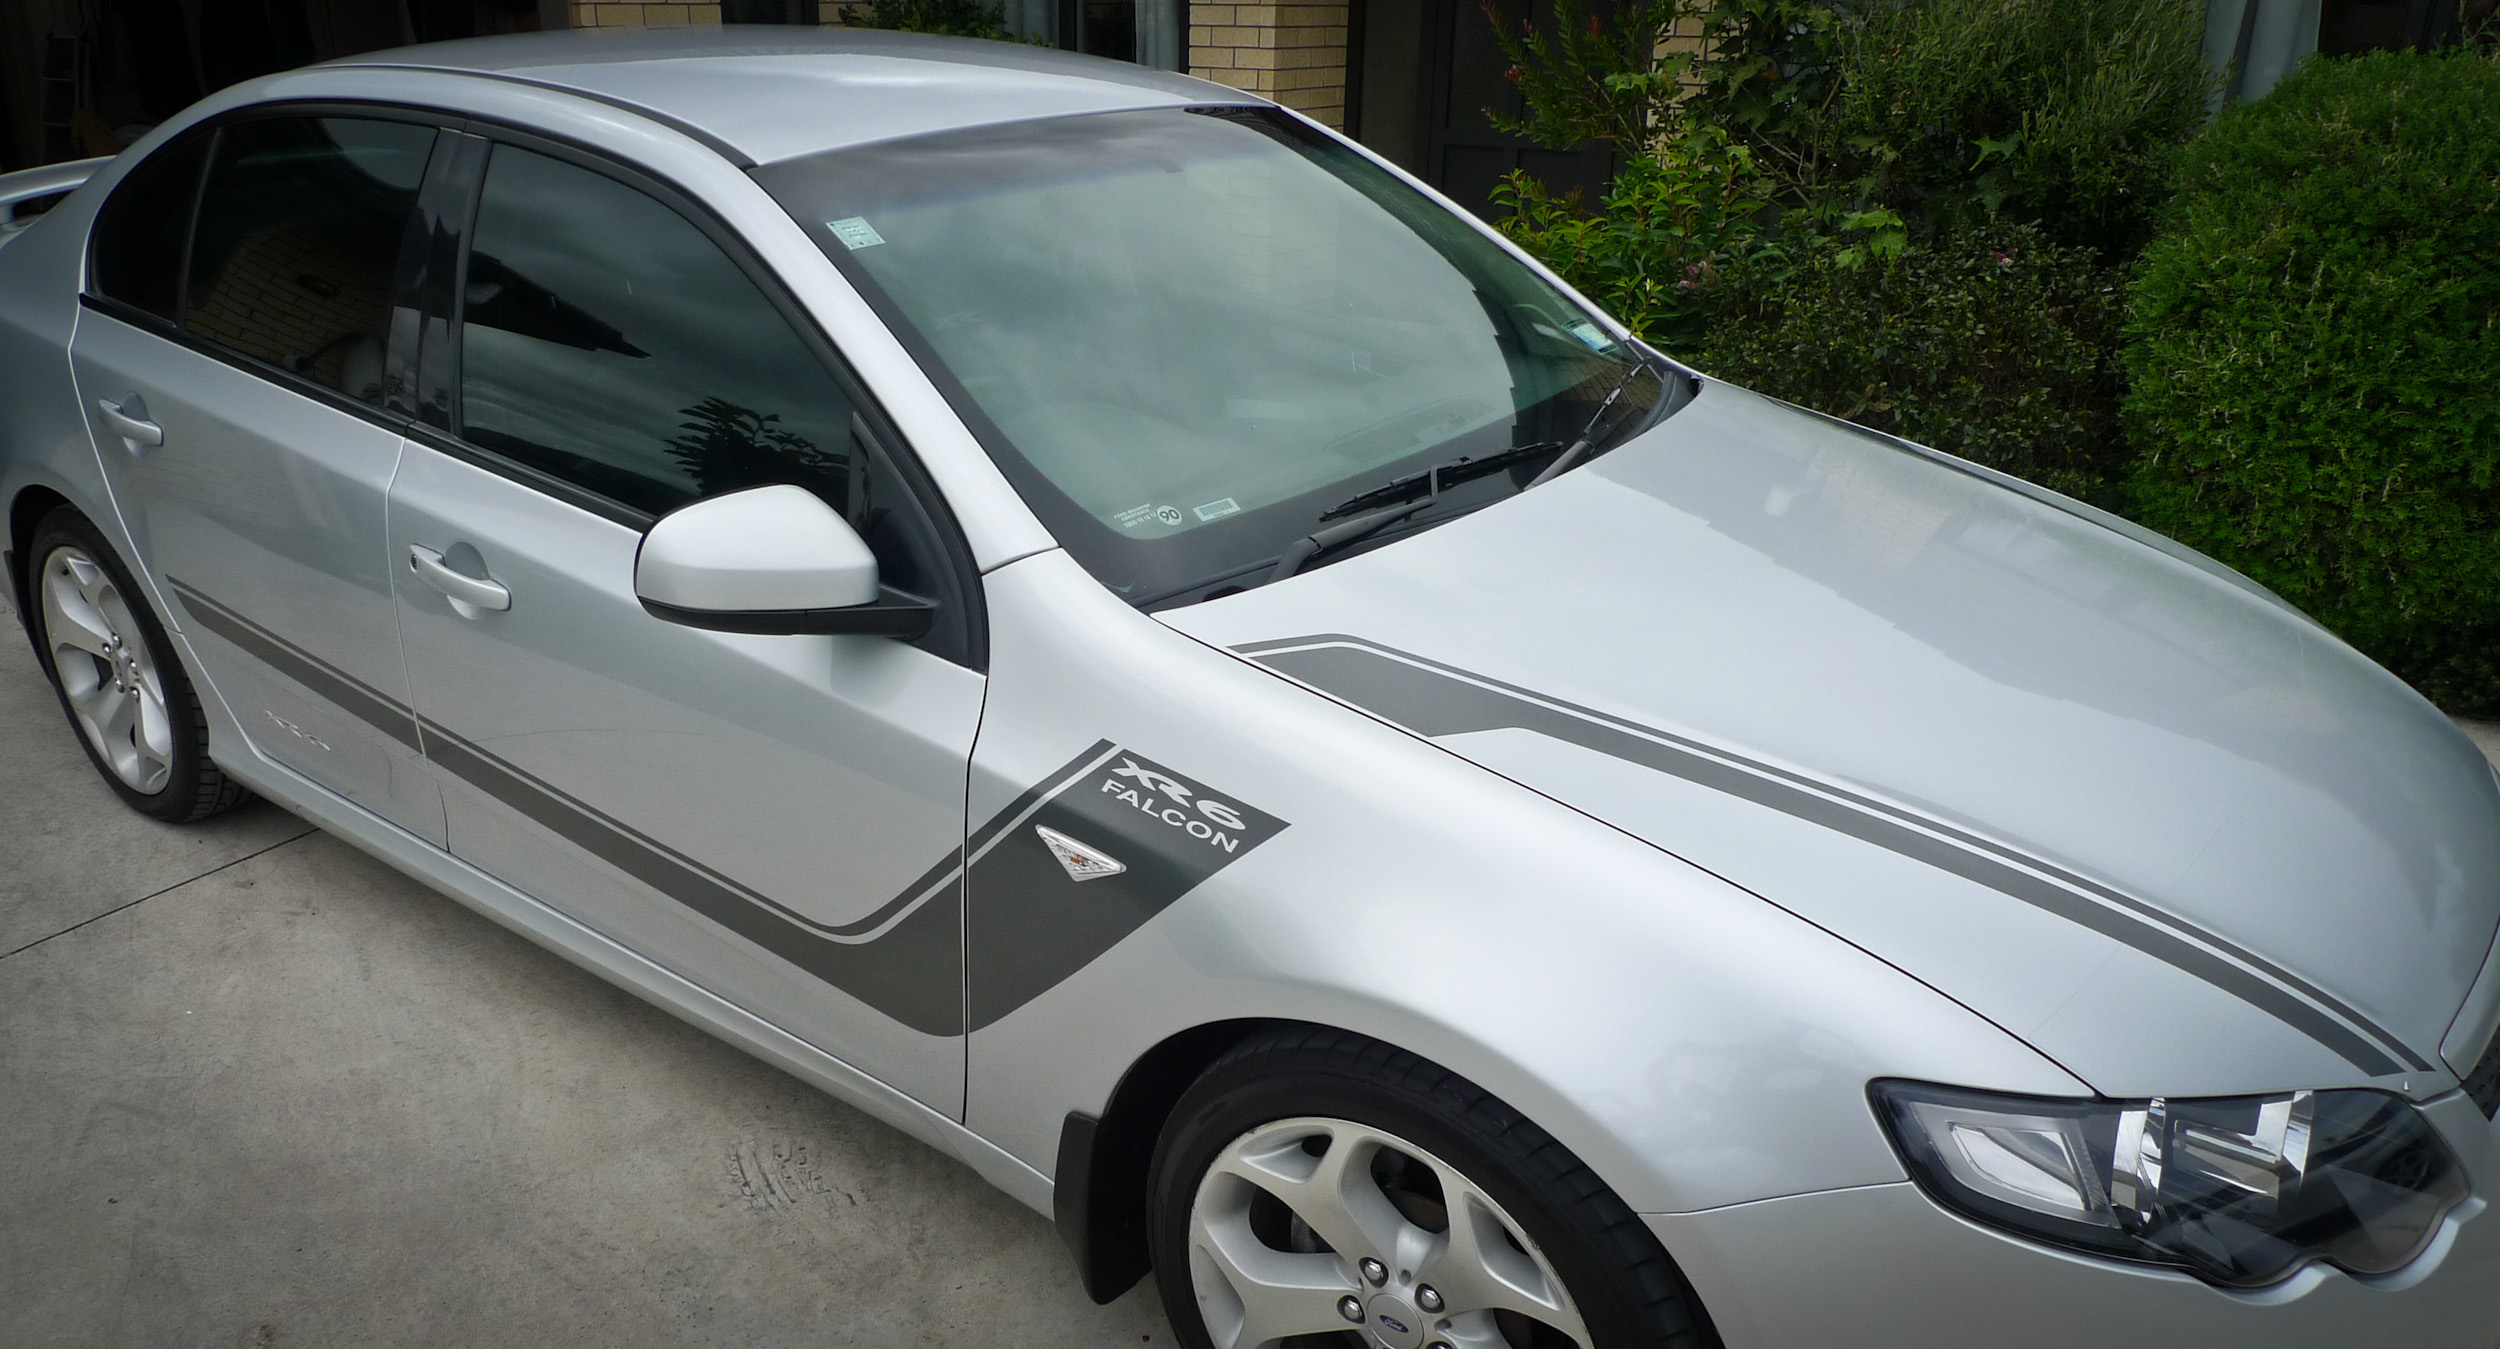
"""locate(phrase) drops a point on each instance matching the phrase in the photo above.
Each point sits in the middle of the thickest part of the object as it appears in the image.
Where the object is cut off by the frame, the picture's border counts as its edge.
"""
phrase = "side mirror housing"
(774, 560)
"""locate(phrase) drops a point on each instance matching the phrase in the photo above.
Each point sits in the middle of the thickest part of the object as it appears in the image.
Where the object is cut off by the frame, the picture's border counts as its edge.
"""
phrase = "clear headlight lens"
(2239, 1191)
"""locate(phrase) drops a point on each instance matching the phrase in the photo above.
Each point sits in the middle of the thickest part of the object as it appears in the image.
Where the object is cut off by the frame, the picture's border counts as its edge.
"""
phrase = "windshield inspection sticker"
(1217, 510)
(1586, 331)
(855, 233)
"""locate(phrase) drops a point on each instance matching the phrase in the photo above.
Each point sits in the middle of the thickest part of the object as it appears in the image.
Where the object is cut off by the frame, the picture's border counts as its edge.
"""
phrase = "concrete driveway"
(257, 1089)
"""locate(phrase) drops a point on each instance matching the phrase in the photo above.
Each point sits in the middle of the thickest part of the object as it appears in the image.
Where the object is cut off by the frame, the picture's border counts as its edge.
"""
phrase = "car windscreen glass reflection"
(1188, 333)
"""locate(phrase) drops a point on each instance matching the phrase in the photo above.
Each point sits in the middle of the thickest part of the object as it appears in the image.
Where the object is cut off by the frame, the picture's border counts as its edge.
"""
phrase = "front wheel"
(1316, 1188)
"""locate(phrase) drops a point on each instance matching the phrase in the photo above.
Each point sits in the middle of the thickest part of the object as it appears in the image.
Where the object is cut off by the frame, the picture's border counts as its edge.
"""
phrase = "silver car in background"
(1097, 621)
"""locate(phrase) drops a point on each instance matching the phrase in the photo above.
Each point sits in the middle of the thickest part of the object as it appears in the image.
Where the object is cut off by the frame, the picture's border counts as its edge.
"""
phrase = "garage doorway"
(1427, 71)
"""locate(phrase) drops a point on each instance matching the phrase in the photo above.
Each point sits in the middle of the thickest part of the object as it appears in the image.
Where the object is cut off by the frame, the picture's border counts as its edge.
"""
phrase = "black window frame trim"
(885, 438)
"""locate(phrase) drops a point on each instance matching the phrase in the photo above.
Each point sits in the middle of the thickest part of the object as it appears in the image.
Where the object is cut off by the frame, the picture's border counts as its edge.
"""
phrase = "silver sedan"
(1096, 620)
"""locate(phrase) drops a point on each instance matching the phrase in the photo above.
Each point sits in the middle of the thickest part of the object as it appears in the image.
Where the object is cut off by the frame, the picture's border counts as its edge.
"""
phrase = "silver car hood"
(2116, 799)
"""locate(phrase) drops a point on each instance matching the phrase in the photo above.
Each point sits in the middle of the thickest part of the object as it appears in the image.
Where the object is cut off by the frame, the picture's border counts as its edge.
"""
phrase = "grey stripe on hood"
(1432, 699)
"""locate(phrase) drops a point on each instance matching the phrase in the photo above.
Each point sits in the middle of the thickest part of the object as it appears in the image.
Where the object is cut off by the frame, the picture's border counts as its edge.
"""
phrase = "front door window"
(606, 342)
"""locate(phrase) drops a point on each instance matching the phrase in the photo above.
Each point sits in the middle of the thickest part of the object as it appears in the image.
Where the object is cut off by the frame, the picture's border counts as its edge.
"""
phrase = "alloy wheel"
(1317, 1231)
(109, 676)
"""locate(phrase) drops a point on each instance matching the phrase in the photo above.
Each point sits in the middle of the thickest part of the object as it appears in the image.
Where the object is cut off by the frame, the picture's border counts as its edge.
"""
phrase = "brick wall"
(643, 14)
(1292, 53)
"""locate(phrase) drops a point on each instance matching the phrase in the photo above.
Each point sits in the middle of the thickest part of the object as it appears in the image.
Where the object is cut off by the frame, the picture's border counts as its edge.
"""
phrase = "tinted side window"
(300, 230)
(138, 234)
(606, 340)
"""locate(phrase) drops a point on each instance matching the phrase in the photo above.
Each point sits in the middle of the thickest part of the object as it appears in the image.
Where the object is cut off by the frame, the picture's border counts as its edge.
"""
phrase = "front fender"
(1693, 1044)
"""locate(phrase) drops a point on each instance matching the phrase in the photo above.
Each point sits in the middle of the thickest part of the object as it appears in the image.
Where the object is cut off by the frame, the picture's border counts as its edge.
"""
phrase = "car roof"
(760, 94)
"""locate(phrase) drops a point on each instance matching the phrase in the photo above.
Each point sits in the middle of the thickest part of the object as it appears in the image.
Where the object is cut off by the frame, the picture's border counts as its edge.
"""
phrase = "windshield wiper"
(1311, 545)
(1580, 446)
(1416, 490)
(1428, 483)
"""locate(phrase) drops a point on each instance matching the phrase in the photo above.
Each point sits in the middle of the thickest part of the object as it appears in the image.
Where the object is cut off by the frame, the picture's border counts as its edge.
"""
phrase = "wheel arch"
(30, 505)
(1099, 1197)
(1098, 1189)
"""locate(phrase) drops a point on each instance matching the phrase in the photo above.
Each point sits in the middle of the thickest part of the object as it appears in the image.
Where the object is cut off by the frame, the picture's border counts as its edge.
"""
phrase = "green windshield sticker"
(1584, 330)
(855, 233)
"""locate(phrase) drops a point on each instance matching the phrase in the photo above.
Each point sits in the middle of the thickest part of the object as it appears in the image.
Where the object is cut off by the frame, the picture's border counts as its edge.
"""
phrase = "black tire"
(194, 788)
(1629, 1292)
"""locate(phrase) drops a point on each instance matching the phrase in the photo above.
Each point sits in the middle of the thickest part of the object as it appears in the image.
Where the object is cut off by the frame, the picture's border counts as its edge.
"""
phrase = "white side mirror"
(768, 560)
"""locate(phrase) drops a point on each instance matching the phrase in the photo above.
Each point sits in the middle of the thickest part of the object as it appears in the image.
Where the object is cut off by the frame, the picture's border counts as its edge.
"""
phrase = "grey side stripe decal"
(1432, 699)
(914, 973)
(352, 695)
(910, 971)
(908, 957)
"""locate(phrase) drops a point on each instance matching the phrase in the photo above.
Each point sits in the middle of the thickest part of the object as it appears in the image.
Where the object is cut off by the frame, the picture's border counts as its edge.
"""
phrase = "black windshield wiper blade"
(1399, 498)
(1587, 438)
(1425, 487)
(1415, 490)
(1428, 483)
(1311, 545)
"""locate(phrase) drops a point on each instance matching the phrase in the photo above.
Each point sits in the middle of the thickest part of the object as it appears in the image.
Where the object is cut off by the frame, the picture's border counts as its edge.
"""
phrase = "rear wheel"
(1317, 1188)
(112, 666)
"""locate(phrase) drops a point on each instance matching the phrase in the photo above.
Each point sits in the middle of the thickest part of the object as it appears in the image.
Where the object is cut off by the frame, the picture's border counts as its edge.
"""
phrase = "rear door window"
(300, 231)
(139, 233)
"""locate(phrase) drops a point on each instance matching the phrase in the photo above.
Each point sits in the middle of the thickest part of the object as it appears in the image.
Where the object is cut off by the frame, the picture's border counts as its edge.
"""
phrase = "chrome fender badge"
(1083, 861)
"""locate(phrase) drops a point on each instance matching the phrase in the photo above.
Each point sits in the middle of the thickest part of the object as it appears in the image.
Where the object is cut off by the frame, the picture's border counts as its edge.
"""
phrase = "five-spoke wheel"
(1319, 1190)
(109, 658)
(107, 674)
(1314, 1225)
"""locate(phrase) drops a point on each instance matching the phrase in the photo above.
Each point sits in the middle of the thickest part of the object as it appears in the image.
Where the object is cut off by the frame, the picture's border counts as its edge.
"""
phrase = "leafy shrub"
(1689, 199)
(1658, 238)
(2315, 357)
(2061, 113)
(1996, 344)
(1904, 214)
(1587, 77)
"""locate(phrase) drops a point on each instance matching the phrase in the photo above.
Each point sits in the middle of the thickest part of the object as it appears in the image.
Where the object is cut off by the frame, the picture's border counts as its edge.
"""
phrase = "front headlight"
(2239, 1191)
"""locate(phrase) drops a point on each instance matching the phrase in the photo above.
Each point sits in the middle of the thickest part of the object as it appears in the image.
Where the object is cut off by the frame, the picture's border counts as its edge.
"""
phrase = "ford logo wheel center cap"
(1394, 1322)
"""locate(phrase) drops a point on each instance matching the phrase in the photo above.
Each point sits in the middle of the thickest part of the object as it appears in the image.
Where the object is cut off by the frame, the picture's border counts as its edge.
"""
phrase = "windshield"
(1188, 334)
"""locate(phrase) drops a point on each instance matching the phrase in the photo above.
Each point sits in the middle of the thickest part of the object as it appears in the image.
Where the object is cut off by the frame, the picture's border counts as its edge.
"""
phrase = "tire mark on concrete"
(775, 1177)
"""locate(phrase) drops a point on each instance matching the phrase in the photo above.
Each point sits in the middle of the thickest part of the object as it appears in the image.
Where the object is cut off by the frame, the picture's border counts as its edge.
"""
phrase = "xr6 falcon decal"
(1030, 926)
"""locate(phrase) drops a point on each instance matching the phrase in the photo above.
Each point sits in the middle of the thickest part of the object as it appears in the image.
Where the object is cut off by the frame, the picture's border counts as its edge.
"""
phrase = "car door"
(231, 360)
(777, 818)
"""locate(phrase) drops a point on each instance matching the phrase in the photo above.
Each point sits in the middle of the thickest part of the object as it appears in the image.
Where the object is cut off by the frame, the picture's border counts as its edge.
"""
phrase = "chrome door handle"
(470, 590)
(129, 420)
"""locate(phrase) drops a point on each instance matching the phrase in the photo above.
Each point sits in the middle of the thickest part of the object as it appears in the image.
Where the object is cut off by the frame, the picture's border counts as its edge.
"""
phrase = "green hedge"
(1994, 344)
(2314, 351)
